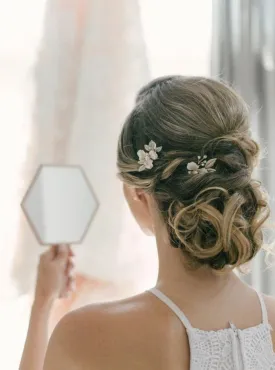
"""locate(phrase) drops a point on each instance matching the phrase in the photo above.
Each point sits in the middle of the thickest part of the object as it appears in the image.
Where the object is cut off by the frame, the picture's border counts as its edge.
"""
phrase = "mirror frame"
(37, 173)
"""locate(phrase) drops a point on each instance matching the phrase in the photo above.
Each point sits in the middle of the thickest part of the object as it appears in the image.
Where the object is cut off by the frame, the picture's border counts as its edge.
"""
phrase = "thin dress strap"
(177, 311)
(263, 307)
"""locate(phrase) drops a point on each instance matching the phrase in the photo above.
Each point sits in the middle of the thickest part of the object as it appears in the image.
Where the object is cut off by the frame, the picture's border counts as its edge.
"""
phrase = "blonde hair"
(215, 218)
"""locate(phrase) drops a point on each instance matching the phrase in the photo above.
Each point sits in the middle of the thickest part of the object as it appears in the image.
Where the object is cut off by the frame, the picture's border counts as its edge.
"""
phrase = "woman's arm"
(37, 337)
(53, 281)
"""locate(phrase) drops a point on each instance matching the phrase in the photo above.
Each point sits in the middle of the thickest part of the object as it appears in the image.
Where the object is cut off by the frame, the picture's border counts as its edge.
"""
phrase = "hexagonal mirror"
(60, 204)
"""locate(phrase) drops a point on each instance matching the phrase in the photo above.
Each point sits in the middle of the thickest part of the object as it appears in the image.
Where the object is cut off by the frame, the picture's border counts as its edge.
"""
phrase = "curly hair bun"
(215, 217)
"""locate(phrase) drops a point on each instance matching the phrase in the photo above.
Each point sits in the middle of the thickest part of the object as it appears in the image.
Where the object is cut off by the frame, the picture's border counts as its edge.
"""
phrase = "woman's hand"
(54, 280)
(54, 277)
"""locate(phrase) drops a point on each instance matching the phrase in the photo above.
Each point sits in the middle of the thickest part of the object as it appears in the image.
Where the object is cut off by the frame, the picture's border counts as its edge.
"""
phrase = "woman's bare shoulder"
(96, 334)
(113, 313)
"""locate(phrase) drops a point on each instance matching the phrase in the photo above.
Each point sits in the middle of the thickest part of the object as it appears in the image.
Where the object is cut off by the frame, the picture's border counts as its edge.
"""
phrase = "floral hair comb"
(150, 154)
(147, 157)
(203, 166)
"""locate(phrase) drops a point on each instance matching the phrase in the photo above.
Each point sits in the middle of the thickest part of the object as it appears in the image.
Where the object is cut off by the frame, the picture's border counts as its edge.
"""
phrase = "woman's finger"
(71, 286)
(49, 254)
(70, 265)
(71, 253)
(62, 254)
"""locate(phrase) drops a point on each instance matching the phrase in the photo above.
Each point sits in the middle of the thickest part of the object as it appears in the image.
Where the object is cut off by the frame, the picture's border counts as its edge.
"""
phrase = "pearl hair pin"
(202, 167)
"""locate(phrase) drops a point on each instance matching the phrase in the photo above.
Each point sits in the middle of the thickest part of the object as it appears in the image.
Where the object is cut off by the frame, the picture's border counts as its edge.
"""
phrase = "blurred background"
(69, 71)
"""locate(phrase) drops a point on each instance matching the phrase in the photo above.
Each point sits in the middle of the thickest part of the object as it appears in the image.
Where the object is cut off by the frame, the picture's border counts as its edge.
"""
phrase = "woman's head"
(214, 217)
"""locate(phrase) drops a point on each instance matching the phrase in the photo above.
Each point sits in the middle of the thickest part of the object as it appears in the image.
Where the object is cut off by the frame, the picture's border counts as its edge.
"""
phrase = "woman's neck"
(177, 278)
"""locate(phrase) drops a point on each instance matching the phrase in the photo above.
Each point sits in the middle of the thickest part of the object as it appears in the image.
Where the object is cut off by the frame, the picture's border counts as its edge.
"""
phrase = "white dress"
(227, 349)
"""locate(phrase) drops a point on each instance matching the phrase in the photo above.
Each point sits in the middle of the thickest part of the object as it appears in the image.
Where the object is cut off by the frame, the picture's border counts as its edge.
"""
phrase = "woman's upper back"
(143, 333)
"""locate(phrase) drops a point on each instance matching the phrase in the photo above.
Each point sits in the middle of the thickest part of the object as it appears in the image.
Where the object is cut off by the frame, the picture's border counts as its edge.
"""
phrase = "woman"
(186, 157)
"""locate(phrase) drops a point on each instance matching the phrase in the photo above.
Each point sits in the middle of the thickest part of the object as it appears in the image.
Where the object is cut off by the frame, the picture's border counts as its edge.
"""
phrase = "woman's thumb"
(62, 253)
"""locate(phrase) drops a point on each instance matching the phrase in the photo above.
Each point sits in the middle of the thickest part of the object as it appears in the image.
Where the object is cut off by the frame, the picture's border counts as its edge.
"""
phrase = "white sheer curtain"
(20, 32)
(69, 72)
(90, 64)
(19, 39)
(178, 36)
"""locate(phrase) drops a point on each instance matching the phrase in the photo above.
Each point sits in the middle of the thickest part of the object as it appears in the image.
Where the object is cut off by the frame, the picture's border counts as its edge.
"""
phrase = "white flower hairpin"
(203, 166)
(147, 157)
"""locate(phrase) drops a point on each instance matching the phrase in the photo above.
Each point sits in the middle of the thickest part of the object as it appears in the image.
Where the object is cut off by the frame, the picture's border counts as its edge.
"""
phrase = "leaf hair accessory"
(202, 167)
(147, 157)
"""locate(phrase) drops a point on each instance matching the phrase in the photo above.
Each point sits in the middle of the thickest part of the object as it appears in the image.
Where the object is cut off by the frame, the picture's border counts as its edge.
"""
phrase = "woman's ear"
(130, 192)
(139, 203)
